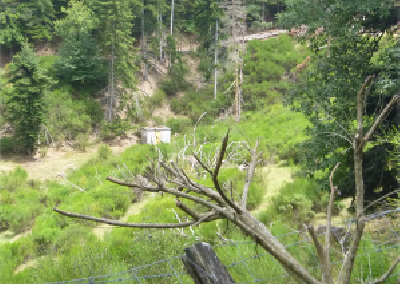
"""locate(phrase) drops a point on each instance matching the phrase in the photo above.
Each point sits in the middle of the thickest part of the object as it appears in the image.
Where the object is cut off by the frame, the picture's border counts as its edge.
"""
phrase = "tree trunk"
(161, 40)
(235, 48)
(172, 15)
(144, 44)
(146, 61)
(110, 103)
(263, 15)
(216, 60)
(265, 239)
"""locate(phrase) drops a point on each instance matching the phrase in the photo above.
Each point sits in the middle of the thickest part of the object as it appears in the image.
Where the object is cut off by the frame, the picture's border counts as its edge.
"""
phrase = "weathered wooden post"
(204, 266)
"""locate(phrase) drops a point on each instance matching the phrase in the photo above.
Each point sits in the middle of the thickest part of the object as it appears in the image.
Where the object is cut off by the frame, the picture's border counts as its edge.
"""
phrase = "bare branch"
(339, 135)
(202, 164)
(205, 218)
(348, 263)
(317, 243)
(250, 172)
(123, 224)
(215, 176)
(360, 99)
(174, 192)
(196, 215)
(383, 114)
(387, 274)
(379, 199)
(330, 208)
(74, 185)
(326, 263)
(194, 130)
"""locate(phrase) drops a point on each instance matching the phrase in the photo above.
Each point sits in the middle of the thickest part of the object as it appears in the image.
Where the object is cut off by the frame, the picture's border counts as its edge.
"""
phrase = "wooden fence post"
(204, 266)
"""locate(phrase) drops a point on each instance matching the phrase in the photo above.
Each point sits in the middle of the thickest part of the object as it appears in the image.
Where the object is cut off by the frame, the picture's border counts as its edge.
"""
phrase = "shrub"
(157, 99)
(43, 151)
(104, 152)
(6, 145)
(115, 128)
(14, 179)
(66, 116)
(296, 202)
(178, 125)
(82, 141)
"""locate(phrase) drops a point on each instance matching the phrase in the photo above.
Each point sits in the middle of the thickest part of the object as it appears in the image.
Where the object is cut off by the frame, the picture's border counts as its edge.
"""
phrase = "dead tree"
(235, 22)
(167, 177)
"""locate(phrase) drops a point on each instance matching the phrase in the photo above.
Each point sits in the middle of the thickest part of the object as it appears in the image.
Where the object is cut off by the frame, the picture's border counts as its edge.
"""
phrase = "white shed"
(155, 135)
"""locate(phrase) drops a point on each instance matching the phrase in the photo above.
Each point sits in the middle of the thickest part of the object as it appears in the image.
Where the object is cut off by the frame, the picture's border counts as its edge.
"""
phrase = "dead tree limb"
(165, 177)
(231, 203)
(168, 178)
(379, 119)
(123, 224)
(388, 272)
(250, 172)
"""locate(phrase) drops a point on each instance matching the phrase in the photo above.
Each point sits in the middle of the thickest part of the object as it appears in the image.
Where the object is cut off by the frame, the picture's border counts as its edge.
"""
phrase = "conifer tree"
(115, 29)
(24, 104)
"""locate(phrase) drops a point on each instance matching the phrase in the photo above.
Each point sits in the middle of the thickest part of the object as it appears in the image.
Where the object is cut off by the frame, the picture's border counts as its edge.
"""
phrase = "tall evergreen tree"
(115, 30)
(79, 53)
(24, 104)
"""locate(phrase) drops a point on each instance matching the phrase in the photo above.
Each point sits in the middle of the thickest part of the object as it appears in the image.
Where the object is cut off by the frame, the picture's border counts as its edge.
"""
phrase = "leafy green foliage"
(157, 100)
(176, 71)
(264, 65)
(117, 127)
(20, 201)
(296, 203)
(328, 90)
(6, 145)
(179, 125)
(68, 117)
(24, 101)
(26, 19)
(115, 29)
(79, 53)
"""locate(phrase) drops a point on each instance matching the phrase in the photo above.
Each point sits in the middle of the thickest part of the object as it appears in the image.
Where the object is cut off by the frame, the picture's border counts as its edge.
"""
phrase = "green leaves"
(79, 20)
(24, 105)
(79, 56)
(327, 91)
(32, 19)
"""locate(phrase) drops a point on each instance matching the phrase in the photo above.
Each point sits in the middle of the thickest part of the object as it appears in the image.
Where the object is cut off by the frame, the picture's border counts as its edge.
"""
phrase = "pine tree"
(24, 104)
(116, 18)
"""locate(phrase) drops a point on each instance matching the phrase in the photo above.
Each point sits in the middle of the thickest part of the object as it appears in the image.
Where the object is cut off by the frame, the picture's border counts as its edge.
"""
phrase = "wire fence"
(248, 263)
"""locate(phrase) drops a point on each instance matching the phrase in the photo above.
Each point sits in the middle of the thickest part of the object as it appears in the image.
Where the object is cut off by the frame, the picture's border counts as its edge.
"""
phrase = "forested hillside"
(269, 135)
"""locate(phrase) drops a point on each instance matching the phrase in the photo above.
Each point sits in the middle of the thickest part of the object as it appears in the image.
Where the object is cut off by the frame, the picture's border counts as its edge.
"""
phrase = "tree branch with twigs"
(213, 203)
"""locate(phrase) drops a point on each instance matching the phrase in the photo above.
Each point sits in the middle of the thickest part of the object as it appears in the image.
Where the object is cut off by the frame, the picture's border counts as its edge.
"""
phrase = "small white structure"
(155, 135)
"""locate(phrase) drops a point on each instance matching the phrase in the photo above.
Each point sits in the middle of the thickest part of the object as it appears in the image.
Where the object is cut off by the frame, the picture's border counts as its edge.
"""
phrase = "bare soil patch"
(275, 177)
(134, 209)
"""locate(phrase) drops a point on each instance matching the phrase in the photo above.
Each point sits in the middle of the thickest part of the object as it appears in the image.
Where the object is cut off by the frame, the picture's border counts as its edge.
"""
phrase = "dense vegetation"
(54, 98)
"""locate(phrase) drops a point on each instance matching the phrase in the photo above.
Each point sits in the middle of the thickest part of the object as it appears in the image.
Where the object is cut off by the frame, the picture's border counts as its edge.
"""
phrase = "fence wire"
(248, 263)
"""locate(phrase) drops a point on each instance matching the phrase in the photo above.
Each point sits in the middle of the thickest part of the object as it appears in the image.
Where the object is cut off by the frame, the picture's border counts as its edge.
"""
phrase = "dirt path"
(9, 237)
(56, 162)
(133, 209)
(274, 176)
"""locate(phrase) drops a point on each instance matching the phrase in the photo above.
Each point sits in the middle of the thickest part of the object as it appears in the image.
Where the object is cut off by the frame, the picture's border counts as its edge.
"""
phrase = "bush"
(82, 141)
(67, 116)
(115, 128)
(13, 179)
(6, 145)
(104, 152)
(43, 151)
(157, 99)
(296, 202)
(178, 125)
